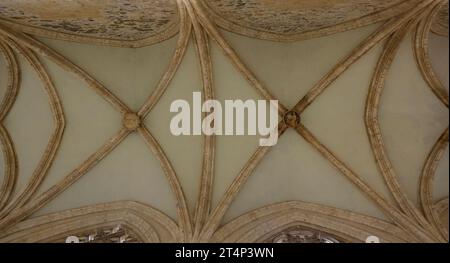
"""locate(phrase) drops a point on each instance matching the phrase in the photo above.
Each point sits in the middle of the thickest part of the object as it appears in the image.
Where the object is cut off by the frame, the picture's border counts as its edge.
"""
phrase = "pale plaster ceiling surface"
(342, 170)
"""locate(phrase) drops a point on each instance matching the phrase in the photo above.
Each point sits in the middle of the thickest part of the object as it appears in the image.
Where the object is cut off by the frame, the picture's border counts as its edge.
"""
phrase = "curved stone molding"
(376, 138)
(420, 44)
(147, 223)
(55, 138)
(426, 183)
(263, 223)
(299, 20)
(7, 146)
(440, 24)
(209, 146)
(441, 209)
(112, 22)
(54, 141)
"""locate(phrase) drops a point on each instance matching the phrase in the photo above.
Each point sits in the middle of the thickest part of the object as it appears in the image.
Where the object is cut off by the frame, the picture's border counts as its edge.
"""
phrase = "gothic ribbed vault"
(85, 89)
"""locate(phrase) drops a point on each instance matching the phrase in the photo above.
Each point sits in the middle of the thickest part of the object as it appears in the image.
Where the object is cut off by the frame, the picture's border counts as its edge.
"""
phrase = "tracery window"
(300, 234)
(116, 234)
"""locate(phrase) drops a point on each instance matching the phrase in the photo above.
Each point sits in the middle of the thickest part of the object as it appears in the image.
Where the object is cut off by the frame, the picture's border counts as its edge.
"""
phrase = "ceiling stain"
(116, 19)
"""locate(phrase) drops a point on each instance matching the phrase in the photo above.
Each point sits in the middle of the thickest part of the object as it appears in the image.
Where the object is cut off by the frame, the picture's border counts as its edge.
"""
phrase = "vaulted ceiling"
(86, 87)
